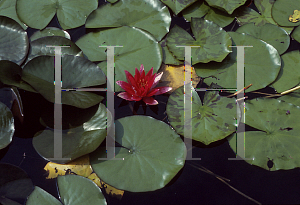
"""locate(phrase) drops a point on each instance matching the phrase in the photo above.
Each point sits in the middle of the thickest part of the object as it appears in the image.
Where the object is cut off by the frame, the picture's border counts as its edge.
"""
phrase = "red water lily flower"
(141, 86)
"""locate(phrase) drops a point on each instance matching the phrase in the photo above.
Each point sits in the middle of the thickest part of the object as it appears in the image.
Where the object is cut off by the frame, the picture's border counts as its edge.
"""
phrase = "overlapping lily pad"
(71, 191)
(214, 42)
(293, 98)
(50, 31)
(247, 15)
(177, 6)
(212, 120)
(7, 127)
(153, 154)
(283, 9)
(168, 57)
(201, 8)
(262, 64)
(138, 48)
(15, 185)
(76, 141)
(10, 74)
(77, 72)
(8, 9)
(228, 5)
(39, 47)
(14, 42)
(289, 75)
(70, 14)
(296, 34)
(149, 15)
(279, 139)
(271, 34)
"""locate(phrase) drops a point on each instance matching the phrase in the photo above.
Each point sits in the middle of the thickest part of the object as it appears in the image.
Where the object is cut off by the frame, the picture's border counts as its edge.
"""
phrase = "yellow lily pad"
(173, 76)
(82, 167)
(295, 17)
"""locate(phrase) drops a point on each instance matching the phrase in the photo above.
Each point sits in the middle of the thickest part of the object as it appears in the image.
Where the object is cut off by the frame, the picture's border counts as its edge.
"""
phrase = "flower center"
(143, 83)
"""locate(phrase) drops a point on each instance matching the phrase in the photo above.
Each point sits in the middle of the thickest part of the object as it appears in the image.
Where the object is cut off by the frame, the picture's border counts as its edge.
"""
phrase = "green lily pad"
(262, 64)
(76, 141)
(38, 47)
(212, 120)
(168, 57)
(7, 127)
(296, 34)
(50, 31)
(279, 139)
(112, 1)
(177, 6)
(70, 14)
(10, 74)
(140, 48)
(15, 185)
(77, 72)
(214, 42)
(14, 42)
(226, 5)
(293, 98)
(289, 75)
(201, 8)
(78, 190)
(40, 196)
(152, 151)
(8, 9)
(247, 15)
(282, 9)
(149, 15)
(271, 34)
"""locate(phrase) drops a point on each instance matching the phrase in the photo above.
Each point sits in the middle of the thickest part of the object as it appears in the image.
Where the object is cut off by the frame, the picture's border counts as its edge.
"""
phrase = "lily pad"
(70, 14)
(279, 139)
(77, 72)
(8, 9)
(40, 196)
(214, 42)
(50, 31)
(296, 34)
(153, 154)
(7, 127)
(168, 57)
(39, 47)
(78, 190)
(177, 6)
(227, 5)
(289, 75)
(262, 64)
(139, 48)
(10, 74)
(14, 42)
(76, 141)
(271, 34)
(283, 9)
(212, 120)
(149, 15)
(201, 8)
(293, 98)
(247, 15)
(15, 185)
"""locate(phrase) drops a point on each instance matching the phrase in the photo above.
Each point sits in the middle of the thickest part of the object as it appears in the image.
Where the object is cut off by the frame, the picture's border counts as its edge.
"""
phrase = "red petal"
(129, 77)
(125, 96)
(149, 74)
(152, 92)
(162, 90)
(150, 101)
(126, 86)
(141, 69)
(157, 79)
(137, 75)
